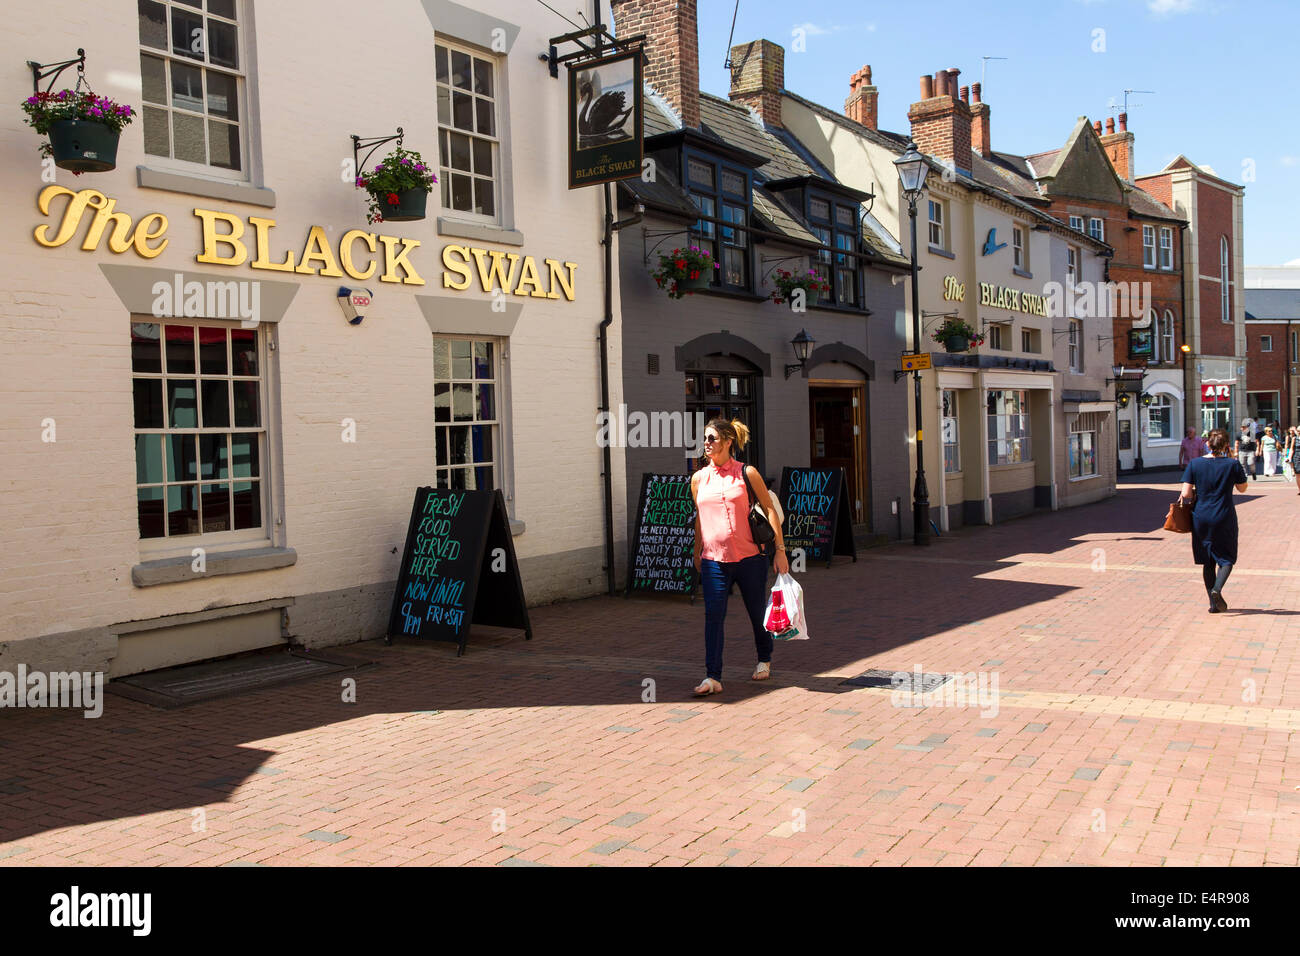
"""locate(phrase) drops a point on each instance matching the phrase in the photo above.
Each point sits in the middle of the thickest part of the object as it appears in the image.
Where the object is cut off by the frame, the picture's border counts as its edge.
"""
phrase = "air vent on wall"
(652, 364)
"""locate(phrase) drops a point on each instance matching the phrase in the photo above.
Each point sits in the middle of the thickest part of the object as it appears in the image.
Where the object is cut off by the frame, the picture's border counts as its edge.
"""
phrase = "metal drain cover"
(899, 680)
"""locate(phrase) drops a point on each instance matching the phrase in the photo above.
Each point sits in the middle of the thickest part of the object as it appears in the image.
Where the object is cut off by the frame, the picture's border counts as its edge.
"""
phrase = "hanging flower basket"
(399, 187)
(787, 283)
(957, 335)
(83, 129)
(685, 271)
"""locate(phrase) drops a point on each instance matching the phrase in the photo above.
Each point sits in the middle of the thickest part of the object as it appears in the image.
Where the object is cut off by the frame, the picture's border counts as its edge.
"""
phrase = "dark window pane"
(462, 111)
(482, 438)
(456, 479)
(188, 136)
(460, 151)
(484, 197)
(462, 403)
(216, 403)
(183, 509)
(182, 403)
(223, 95)
(248, 504)
(482, 359)
(244, 351)
(216, 508)
(149, 508)
(462, 188)
(213, 462)
(224, 138)
(248, 412)
(187, 87)
(180, 458)
(222, 8)
(180, 350)
(482, 157)
(444, 106)
(244, 455)
(157, 132)
(153, 24)
(223, 44)
(146, 353)
(486, 121)
(212, 349)
(187, 34)
(442, 403)
(482, 77)
(148, 403)
(440, 60)
(460, 70)
(440, 441)
(486, 402)
(149, 459)
(458, 442)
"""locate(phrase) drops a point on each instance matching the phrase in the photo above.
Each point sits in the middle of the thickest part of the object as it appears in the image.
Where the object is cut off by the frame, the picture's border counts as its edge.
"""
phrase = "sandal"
(708, 686)
(763, 671)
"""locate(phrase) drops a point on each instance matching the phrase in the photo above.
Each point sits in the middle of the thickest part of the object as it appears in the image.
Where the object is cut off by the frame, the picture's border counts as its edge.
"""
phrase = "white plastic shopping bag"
(785, 615)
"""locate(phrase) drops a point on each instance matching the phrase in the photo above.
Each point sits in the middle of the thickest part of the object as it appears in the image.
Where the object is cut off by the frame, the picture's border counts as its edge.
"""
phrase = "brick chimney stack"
(941, 121)
(863, 97)
(672, 48)
(1119, 146)
(758, 78)
(979, 130)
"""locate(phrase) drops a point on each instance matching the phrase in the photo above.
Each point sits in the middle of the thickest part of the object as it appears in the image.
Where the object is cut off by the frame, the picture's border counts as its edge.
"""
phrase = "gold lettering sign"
(226, 241)
(1013, 300)
(953, 290)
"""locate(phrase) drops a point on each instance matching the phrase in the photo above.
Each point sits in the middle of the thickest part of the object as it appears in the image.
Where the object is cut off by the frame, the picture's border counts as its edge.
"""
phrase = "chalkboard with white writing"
(662, 555)
(817, 515)
(458, 569)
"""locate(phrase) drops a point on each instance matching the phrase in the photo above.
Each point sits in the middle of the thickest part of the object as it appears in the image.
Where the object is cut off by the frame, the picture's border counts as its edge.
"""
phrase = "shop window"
(727, 394)
(1160, 417)
(1166, 248)
(467, 413)
(1008, 414)
(200, 430)
(1082, 451)
(722, 192)
(1148, 247)
(469, 140)
(951, 446)
(192, 73)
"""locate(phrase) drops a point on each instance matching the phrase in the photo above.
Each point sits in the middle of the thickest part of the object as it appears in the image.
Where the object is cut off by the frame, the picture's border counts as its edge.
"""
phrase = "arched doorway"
(838, 420)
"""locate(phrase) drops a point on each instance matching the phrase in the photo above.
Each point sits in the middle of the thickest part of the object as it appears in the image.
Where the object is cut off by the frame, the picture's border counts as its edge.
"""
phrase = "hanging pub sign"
(1141, 343)
(605, 128)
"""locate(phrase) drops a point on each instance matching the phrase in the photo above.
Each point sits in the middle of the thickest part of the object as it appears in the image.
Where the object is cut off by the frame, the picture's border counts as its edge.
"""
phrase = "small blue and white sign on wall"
(355, 303)
(991, 244)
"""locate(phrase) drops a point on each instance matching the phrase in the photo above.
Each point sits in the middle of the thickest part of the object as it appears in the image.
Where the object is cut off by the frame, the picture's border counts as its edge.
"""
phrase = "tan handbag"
(1179, 518)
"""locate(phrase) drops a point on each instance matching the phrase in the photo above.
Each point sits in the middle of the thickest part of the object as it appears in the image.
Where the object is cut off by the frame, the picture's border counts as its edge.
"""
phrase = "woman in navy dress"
(1214, 518)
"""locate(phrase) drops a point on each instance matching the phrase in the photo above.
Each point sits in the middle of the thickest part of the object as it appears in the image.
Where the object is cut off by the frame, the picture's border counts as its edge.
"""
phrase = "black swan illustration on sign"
(602, 122)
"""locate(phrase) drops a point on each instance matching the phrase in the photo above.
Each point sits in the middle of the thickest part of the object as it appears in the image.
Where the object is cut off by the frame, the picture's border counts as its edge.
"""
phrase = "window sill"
(1022, 273)
(172, 570)
(1014, 464)
(148, 178)
(1085, 478)
(734, 294)
(935, 250)
(481, 231)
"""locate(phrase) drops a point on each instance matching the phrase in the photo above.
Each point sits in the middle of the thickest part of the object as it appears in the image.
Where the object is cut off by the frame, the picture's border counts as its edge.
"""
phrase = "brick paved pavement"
(1131, 727)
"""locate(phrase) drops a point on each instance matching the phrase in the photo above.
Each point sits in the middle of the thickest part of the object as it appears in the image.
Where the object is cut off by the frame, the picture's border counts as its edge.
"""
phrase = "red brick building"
(1273, 355)
(1088, 184)
(1213, 286)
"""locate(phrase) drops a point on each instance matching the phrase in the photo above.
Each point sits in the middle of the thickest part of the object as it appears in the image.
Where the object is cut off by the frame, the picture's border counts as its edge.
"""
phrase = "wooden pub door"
(839, 435)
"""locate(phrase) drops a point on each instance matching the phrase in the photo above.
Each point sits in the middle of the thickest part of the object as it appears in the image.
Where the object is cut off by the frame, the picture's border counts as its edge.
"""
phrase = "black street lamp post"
(912, 171)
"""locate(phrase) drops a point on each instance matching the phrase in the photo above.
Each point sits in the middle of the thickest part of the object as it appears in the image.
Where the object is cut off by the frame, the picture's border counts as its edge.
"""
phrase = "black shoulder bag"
(759, 526)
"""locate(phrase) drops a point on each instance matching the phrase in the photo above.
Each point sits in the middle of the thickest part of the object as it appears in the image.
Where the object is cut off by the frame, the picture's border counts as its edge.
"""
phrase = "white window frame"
(1074, 341)
(269, 469)
(1071, 456)
(1071, 267)
(1166, 248)
(1157, 346)
(1225, 297)
(498, 141)
(1097, 228)
(997, 336)
(1167, 336)
(1076, 223)
(1001, 432)
(937, 205)
(498, 424)
(1148, 247)
(242, 24)
(1266, 343)
(1160, 400)
(1019, 259)
(951, 449)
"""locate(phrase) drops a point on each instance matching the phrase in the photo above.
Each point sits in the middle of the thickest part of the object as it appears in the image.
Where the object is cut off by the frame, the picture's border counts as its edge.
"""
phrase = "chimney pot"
(965, 94)
(1123, 122)
(1110, 125)
(941, 84)
(927, 87)
(1097, 126)
(975, 90)
(953, 73)
(861, 104)
(672, 50)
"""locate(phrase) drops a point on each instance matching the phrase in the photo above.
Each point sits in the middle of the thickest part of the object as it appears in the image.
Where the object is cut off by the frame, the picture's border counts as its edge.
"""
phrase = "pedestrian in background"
(1293, 453)
(1269, 446)
(1209, 482)
(725, 550)
(1244, 449)
(1192, 447)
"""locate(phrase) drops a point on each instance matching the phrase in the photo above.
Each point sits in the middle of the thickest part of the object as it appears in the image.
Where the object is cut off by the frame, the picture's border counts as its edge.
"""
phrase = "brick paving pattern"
(1130, 727)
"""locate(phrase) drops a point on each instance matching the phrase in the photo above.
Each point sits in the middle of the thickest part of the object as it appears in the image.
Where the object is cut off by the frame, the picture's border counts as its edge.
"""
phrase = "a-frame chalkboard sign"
(817, 517)
(661, 552)
(458, 569)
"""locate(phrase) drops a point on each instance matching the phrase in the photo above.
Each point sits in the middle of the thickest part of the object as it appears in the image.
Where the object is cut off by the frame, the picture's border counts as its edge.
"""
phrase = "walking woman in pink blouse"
(724, 546)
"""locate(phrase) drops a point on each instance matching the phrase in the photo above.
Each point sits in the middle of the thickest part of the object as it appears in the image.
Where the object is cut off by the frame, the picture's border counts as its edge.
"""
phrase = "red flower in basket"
(392, 199)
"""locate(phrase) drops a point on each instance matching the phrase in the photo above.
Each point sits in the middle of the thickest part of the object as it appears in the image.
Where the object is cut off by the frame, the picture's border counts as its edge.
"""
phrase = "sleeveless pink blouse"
(723, 504)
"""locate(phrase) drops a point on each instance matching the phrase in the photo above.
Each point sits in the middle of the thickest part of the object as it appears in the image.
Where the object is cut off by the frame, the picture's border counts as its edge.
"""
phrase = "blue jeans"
(715, 579)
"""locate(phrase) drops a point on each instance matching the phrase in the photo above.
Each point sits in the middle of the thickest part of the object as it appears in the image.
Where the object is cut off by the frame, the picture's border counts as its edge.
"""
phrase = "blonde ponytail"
(742, 433)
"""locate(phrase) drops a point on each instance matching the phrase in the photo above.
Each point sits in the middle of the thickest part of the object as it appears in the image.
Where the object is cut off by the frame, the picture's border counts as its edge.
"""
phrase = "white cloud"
(1293, 262)
(1290, 160)
(1165, 7)
(811, 29)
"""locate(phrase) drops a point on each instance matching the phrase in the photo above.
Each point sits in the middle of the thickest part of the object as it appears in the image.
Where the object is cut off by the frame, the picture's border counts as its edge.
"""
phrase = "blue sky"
(1224, 72)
